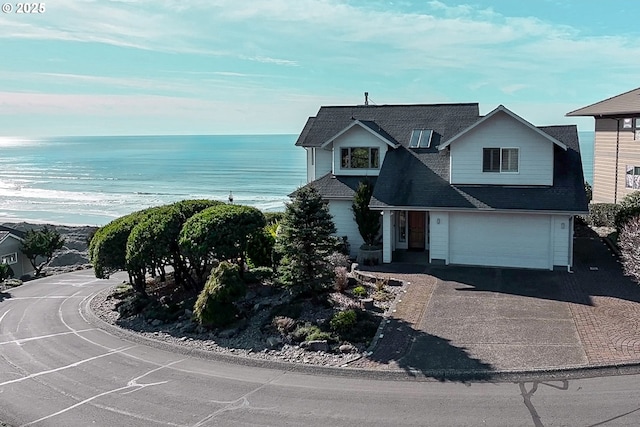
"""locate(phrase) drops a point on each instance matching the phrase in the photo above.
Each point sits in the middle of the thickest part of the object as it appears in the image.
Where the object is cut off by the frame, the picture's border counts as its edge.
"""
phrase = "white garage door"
(500, 240)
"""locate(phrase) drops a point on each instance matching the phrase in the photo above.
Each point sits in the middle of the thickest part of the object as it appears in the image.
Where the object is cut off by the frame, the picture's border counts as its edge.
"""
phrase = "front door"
(416, 230)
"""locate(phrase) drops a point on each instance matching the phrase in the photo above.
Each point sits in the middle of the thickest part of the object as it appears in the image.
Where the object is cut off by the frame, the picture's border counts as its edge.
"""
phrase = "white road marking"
(62, 368)
(23, 340)
(133, 383)
(46, 297)
(4, 314)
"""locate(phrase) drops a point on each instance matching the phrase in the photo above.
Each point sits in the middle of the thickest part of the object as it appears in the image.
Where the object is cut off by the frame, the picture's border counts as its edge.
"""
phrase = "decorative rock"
(367, 303)
(228, 333)
(273, 342)
(317, 345)
(347, 348)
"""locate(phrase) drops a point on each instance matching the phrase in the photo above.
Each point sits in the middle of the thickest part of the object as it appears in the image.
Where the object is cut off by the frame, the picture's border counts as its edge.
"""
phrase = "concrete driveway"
(494, 320)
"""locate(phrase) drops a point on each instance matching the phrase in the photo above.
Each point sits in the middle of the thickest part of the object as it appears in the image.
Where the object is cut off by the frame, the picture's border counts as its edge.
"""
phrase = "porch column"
(386, 236)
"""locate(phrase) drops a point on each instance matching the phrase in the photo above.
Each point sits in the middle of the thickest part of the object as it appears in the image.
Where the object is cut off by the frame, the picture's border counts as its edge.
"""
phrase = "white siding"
(561, 238)
(345, 224)
(357, 137)
(323, 162)
(502, 240)
(439, 236)
(502, 131)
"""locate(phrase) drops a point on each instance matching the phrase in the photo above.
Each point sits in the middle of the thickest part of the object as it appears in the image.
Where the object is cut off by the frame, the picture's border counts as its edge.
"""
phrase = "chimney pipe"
(366, 98)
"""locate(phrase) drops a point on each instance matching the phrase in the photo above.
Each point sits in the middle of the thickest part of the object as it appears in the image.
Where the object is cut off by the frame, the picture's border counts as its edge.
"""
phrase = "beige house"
(616, 155)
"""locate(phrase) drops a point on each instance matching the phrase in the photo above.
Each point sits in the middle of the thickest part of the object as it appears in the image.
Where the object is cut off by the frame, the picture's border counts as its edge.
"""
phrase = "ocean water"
(93, 180)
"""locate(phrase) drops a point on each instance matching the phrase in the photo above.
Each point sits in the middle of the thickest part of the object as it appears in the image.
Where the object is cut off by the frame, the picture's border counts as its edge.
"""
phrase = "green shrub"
(260, 248)
(320, 336)
(363, 330)
(603, 214)
(258, 275)
(132, 305)
(342, 321)
(360, 291)
(122, 291)
(5, 272)
(625, 215)
(215, 304)
(273, 217)
(303, 331)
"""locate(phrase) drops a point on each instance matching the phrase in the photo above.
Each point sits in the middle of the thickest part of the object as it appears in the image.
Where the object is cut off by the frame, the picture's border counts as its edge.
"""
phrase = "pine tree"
(368, 221)
(305, 242)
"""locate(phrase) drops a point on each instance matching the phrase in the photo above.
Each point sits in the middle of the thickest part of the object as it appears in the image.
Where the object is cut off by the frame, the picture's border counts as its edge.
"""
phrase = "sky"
(126, 67)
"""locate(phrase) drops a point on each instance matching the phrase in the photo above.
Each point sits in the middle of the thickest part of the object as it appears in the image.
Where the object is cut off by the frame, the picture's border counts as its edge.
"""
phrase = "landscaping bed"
(331, 329)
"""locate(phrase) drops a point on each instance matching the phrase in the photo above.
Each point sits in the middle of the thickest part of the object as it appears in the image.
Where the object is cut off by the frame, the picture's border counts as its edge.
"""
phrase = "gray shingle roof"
(625, 103)
(397, 121)
(339, 187)
(414, 178)
(17, 233)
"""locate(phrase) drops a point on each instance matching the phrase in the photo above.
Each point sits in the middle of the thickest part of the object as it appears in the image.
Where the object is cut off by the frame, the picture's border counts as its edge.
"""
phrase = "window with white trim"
(360, 158)
(505, 160)
(632, 179)
(9, 258)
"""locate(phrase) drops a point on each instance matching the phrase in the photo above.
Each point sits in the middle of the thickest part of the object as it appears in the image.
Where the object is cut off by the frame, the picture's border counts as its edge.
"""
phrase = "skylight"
(421, 138)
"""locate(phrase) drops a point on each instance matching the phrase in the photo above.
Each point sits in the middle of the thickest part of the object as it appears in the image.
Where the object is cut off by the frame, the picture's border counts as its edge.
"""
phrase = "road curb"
(568, 372)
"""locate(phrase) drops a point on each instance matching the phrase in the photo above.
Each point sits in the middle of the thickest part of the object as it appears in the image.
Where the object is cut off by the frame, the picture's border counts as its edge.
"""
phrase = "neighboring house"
(616, 154)
(465, 189)
(10, 243)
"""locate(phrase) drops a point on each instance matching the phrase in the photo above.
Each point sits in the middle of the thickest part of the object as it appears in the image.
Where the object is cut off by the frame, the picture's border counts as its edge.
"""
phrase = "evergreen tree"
(368, 221)
(305, 242)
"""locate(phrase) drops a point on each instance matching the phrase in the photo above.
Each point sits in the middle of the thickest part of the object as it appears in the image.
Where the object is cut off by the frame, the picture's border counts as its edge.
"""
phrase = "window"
(636, 134)
(402, 226)
(360, 158)
(9, 258)
(633, 177)
(500, 159)
(420, 138)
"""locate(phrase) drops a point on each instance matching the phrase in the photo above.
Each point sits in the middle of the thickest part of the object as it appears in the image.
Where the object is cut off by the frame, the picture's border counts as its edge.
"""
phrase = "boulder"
(273, 342)
(317, 345)
(347, 348)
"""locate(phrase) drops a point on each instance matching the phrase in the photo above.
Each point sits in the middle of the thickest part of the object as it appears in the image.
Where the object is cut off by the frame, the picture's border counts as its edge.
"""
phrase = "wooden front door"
(416, 230)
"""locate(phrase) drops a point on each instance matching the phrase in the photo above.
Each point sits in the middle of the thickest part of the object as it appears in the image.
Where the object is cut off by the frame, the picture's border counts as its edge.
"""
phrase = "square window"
(632, 179)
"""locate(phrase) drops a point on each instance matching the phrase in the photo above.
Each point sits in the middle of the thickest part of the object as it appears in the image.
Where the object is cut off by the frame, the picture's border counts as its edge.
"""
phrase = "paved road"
(58, 369)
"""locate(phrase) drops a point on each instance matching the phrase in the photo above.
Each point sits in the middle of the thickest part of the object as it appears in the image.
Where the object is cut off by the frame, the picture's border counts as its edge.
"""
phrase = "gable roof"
(339, 187)
(371, 127)
(505, 110)
(396, 121)
(5, 232)
(420, 180)
(625, 103)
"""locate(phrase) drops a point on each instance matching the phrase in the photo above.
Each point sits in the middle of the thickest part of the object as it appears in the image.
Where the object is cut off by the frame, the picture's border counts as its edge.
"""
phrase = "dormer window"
(420, 138)
(500, 160)
(360, 158)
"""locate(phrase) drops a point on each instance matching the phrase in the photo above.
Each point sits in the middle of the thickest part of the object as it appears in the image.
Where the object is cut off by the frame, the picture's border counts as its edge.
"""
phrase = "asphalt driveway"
(491, 319)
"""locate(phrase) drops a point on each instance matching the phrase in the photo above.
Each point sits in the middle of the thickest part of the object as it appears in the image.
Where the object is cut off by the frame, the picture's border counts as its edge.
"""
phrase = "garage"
(505, 240)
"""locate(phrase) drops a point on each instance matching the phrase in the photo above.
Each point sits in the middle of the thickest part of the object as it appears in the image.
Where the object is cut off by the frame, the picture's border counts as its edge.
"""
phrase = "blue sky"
(245, 67)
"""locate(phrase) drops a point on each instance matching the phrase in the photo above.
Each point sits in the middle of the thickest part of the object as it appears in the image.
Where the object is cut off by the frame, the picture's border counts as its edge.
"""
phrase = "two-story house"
(616, 153)
(490, 190)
